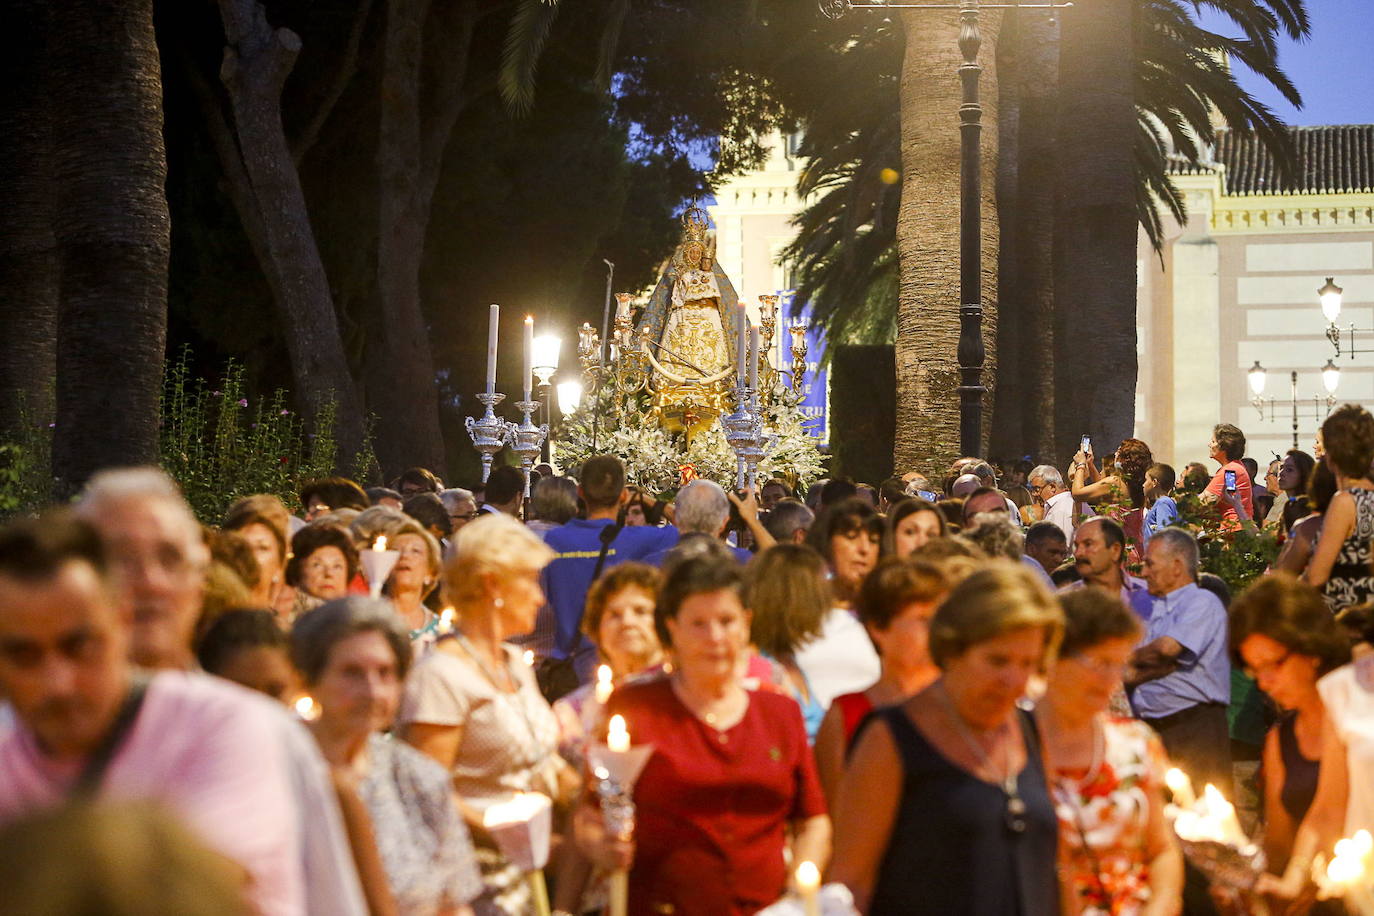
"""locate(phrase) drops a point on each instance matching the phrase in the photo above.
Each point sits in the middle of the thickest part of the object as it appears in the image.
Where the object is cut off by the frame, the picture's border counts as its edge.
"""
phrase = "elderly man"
(1180, 676)
(155, 544)
(85, 723)
(702, 510)
(1047, 490)
(461, 506)
(1099, 553)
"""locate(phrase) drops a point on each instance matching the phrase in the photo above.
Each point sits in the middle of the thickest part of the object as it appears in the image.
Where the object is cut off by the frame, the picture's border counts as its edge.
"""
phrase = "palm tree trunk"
(1037, 56)
(28, 249)
(927, 430)
(113, 235)
(1095, 228)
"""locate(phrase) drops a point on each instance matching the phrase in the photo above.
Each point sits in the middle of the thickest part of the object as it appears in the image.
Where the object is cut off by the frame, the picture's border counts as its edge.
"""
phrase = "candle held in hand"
(1181, 787)
(618, 736)
(380, 543)
(604, 684)
(808, 886)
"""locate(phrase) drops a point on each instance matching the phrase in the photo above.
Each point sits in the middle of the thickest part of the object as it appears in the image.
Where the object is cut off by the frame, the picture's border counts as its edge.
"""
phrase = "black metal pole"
(605, 348)
(972, 353)
(1294, 382)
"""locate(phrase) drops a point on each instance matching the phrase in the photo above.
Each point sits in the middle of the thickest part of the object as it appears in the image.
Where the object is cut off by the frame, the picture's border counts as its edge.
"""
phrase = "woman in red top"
(731, 771)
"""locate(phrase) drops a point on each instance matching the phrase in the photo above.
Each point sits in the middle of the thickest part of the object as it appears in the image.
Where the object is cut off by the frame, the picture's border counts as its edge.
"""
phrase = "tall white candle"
(493, 321)
(529, 354)
(742, 324)
(754, 356)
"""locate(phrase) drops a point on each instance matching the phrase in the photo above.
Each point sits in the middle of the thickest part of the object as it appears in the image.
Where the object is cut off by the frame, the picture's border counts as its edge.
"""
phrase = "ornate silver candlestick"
(526, 439)
(489, 433)
(744, 432)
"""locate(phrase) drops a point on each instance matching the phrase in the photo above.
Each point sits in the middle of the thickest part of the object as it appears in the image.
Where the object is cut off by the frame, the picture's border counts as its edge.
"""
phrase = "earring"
(499, 602)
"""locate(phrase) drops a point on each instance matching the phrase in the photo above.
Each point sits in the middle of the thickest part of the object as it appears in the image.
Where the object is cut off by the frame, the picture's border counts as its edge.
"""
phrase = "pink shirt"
(211, 751)
(1228, 515)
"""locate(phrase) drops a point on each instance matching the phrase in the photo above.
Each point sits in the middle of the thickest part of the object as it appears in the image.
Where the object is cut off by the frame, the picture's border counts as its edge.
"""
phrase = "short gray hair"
(107, 489)
(787, 518)
(1180, 543)
(702, 507)
(1048, 473)
(554, 500)
(454, 495)
(318, 631)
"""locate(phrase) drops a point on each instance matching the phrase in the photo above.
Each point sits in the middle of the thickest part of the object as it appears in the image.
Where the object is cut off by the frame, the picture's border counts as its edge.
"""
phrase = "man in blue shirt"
(1180, 676)
(577, 546)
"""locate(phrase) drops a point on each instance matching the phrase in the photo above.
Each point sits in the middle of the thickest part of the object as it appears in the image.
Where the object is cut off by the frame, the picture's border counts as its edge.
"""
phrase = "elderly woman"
(353, 657)
(789, 598)
(731, 774)
(848, 535)
(1286, 638)
(413, 579)
(261, 521)
(619, 619)
(944, 808)
(895, 605)
(910, 524)
(323, 562)
(473, 705)
(1117, 856)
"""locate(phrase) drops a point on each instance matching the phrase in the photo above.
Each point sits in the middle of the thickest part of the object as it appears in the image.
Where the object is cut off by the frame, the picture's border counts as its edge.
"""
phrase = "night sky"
(1333, 69)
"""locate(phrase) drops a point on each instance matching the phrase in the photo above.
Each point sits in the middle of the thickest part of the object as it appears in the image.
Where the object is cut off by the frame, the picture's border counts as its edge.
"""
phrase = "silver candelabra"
(490, 433)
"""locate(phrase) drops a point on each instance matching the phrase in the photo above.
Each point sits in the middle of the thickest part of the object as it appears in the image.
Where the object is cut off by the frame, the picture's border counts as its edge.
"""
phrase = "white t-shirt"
(841, 660)
(1350, 707)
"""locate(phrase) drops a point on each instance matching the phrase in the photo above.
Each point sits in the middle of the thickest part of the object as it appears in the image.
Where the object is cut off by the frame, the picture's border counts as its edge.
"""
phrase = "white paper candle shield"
(377, 566)
(522, 828)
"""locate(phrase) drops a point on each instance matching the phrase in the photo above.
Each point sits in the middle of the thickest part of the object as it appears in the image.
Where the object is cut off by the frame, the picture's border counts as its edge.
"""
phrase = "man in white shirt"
(1047, 489)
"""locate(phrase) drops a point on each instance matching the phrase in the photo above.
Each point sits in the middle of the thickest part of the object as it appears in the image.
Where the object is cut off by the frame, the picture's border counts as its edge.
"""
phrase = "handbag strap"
(93, 773)
(607, 535)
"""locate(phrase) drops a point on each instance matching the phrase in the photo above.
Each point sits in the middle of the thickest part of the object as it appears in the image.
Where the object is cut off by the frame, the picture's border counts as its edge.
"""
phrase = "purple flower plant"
(243, 402)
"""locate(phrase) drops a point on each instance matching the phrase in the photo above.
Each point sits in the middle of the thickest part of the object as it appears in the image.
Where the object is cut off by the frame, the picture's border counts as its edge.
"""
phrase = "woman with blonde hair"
(473, 705)
(413, 579)
(944, 808)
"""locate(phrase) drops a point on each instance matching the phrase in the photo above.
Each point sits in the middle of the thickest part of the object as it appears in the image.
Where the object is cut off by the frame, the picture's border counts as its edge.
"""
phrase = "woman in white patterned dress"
(473, 705)
(1117, 856)
(354, 655)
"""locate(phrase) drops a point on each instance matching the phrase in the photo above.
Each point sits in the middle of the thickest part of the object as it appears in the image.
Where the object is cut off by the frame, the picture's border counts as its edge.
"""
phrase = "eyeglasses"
(1263, 668)
(1101, 667)
(467, 516)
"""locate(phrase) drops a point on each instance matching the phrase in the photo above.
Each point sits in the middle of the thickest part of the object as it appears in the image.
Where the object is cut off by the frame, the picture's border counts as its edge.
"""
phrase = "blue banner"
(815, 402)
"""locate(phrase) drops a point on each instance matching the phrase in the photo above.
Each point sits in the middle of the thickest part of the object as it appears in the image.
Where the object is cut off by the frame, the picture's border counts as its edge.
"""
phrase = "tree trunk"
(417, 116)
(1095, 228)
(927, 434)
(257, 60)
(1037, 56)
(113, 235)
(28, 249)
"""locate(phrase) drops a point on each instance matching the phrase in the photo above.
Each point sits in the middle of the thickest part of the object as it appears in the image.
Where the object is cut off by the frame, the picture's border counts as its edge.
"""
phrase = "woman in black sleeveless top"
(944, 808)
(1283, 633)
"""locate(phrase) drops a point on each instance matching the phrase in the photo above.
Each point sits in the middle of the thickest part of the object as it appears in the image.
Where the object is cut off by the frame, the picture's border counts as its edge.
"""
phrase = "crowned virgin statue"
(690, 331)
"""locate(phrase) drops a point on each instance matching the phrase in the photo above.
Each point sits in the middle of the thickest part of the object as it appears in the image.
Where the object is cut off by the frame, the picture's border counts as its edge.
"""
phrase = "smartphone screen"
(1230, 478)
(1086, 444)
(929, 496)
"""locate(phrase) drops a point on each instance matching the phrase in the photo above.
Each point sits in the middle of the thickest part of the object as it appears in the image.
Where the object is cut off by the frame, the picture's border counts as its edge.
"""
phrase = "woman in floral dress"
(1341, 562)
(1117, 856)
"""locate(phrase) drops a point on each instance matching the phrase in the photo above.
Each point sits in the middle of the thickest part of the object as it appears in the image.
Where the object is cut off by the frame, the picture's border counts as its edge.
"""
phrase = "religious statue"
(690, 331)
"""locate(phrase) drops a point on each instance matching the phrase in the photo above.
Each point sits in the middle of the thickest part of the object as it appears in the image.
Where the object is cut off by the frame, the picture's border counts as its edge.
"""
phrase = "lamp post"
(1257, 376)
(972, 352)
(544, 365)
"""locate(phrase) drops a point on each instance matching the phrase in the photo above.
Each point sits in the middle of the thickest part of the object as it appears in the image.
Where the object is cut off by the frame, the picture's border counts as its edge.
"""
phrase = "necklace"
(1015, 814)
(688, 700)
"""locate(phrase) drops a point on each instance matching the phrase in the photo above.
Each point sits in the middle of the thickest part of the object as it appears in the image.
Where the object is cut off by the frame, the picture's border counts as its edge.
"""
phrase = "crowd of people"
(954, 692)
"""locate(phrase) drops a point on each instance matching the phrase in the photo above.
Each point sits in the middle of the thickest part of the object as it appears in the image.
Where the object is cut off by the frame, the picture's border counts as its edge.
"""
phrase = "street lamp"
(1331, 377)
(972, 351)
(569, 397)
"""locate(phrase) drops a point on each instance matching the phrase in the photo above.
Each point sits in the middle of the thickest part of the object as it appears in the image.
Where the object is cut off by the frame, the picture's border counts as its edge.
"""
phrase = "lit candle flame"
(1181, 787)
(808, 883)
(618, 735)
(529, 657)
(308, 709)
(604, 685)
(446, 620)
(380, 543)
